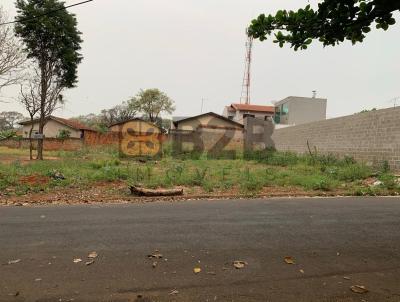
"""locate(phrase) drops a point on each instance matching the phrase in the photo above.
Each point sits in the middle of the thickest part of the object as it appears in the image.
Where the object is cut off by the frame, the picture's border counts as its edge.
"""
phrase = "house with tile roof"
(238, 112)
(54, 126)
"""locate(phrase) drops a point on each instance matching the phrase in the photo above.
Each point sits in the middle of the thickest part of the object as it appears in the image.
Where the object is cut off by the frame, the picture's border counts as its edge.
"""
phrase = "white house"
(54, 126)
(238, 112)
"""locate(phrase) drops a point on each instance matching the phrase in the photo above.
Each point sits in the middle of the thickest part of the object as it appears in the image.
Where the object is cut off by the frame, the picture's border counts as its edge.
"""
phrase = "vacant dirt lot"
(100, 175)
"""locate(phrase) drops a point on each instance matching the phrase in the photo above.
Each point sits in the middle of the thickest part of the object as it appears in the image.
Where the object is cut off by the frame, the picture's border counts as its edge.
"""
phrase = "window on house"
(277, 116)
(285, 109)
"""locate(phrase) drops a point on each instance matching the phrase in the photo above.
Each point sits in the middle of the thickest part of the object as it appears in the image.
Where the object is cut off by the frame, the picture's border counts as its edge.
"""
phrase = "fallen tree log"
(153, 193)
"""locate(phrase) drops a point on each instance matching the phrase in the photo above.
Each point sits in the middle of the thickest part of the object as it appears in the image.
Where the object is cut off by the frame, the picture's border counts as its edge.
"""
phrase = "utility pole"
(395, 101)
(202, 105)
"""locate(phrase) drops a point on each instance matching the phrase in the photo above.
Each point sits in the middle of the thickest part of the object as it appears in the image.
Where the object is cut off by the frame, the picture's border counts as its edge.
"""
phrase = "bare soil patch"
(34, 180)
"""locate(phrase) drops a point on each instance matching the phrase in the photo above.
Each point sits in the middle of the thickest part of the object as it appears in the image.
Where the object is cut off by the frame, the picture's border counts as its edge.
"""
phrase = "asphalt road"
(336, 243)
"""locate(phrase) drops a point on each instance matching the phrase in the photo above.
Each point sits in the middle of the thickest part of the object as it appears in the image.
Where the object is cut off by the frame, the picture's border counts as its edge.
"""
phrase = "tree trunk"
(153, 193)
(42, 118)
(30, 141)
(40, 142)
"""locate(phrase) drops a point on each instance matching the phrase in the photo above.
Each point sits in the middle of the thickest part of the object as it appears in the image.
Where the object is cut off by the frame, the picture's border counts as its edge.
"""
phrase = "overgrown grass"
(248, 174)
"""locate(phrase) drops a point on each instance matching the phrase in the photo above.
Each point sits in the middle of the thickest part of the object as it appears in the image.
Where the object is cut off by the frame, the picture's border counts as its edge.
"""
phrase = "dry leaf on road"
(89, 263)
(359, 289)
(77, 260)
(290, 260)
(174, 292)
(197, 270)
(239, 264)
(155, 255)
(14, 261)
(92, 255)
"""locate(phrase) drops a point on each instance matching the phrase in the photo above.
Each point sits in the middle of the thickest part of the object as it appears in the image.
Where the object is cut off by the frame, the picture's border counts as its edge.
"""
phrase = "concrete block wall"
(371, 137)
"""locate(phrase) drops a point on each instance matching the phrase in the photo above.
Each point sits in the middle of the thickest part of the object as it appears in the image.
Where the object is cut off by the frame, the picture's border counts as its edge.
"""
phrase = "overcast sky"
(194, 49)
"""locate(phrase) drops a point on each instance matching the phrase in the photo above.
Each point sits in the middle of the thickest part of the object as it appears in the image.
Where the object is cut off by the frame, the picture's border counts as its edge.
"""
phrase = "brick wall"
(70, 144)
(95, 138)
(50, 144)
(370, 137)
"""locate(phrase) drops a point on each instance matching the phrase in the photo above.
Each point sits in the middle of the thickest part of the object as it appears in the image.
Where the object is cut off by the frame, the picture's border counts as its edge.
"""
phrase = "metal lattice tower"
(245, 97)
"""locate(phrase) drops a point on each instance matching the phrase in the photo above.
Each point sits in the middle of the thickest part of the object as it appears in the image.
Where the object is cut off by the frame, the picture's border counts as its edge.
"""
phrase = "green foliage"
(352, 172)
(152, 102)
(385, 166)
(271, 157)
(366, 110)
(333, 22)
(389, 181)
(120, 113)
(93, 121)
(64, 134)
(266, 169)
(8, 134)
(52, 38)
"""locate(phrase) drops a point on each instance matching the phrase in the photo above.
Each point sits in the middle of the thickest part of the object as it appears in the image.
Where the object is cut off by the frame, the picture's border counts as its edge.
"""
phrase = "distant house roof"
(254, 108)
(74, 124)
(179, 118)
(132, 120)
(176, 123)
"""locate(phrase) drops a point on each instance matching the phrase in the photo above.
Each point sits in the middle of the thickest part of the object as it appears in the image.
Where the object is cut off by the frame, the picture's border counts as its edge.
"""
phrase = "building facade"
(295, 110)
(54, 127)
(238, 112)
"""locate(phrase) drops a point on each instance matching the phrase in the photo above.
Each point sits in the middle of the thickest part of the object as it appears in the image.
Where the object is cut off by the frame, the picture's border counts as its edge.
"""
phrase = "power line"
(45, 14)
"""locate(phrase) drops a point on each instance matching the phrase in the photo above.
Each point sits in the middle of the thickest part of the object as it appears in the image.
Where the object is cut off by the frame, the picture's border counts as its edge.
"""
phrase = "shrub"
(322, 184)
(389, 181)
(352, 172)
(273, 158)
(385, 166)
(64, 134)
(98, 164)
(8, 134)
(251, 186)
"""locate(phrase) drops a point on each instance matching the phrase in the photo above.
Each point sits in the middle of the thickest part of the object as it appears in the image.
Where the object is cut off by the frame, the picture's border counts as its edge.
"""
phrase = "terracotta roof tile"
(74, 124)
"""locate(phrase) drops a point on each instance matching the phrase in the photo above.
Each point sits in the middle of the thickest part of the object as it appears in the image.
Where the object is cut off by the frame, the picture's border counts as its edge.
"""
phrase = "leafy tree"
(152, 102)
(107, 117)
(52, 41)
(366, 110)
(9, 119)
(93, 121)
(333, 22)
(119, 113)
(11, 56)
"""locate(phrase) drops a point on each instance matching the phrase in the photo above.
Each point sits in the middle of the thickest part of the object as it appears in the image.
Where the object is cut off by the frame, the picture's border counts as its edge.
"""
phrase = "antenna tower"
(245, 97)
